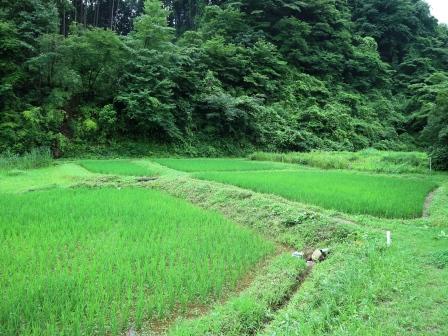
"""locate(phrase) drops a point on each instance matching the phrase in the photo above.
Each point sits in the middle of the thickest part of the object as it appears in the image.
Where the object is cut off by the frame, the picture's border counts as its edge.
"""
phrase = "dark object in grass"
(146, 179)
(298, 219)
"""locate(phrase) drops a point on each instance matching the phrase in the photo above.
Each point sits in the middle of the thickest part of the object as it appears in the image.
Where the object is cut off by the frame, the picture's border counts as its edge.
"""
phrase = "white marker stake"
(388, 238)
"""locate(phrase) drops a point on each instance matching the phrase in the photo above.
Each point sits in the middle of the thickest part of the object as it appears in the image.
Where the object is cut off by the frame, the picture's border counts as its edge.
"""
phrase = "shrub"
(37, 157)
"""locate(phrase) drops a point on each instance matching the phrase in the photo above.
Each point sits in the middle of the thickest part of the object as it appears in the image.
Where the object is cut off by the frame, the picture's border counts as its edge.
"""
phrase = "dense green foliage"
(365, 160)
(95, 261)
(358, 193)
(36, 158)
(277, 75)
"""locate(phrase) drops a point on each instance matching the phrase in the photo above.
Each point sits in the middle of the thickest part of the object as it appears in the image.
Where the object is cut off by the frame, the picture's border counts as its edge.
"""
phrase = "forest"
(214, 77)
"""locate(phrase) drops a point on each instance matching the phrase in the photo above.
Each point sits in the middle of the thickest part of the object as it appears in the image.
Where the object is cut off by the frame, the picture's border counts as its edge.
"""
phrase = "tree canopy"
(273, 74)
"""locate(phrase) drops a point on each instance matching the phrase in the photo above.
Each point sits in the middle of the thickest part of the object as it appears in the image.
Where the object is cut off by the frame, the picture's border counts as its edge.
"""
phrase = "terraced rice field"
(117, 167)
(105, 260)
(95, 261)
(357, 193)
(199, 165)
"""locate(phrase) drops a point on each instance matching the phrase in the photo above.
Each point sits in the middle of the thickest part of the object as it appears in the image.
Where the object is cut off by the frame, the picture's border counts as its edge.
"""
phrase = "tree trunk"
(86, 8)
(76, 12)
(112, 16)
(64, 24)
(97, 14)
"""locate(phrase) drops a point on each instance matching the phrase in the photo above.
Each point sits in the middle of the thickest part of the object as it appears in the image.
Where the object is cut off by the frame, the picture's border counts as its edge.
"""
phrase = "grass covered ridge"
(92, 261)
(358, 193)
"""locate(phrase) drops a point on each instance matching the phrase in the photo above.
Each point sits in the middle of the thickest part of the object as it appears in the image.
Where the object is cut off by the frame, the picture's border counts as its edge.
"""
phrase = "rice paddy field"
(181, 255)
(16, 181)
(93, 261)
(199, 165)
(117, 167)
(366, 160)
(378, 195)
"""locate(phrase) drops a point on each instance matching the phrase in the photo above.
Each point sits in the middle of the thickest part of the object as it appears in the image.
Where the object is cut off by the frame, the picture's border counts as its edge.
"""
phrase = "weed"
(439, 259)
(36, 158)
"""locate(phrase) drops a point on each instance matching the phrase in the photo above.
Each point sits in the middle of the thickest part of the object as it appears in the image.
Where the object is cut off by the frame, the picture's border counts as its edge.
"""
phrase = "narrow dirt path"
(428, 202)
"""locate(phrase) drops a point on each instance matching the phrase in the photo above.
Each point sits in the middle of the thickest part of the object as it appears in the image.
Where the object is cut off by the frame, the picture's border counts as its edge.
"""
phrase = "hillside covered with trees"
(214, 76)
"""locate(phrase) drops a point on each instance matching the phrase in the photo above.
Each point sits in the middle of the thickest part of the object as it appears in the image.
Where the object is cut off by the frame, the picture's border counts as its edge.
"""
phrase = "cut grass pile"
(365, 160)
(383, 196)
(96, 261)
(199, 165)
(117, 167)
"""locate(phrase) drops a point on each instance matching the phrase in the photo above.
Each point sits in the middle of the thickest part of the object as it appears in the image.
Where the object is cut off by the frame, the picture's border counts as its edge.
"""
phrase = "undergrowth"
(36, 158)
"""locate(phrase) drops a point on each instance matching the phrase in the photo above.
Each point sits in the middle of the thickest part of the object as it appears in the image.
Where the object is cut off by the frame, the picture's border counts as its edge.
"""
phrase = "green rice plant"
(36, 158)
(98, 261)
(366, 160)
(15, 181)
(117, 167)
(247, 313)
(199, 165)
(358, 193)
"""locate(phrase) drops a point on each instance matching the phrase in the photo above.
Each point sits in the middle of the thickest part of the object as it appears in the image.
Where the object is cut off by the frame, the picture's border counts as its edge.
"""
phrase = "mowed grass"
(199, 165)
(357, 193)
(98, 261)
(117, 167)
